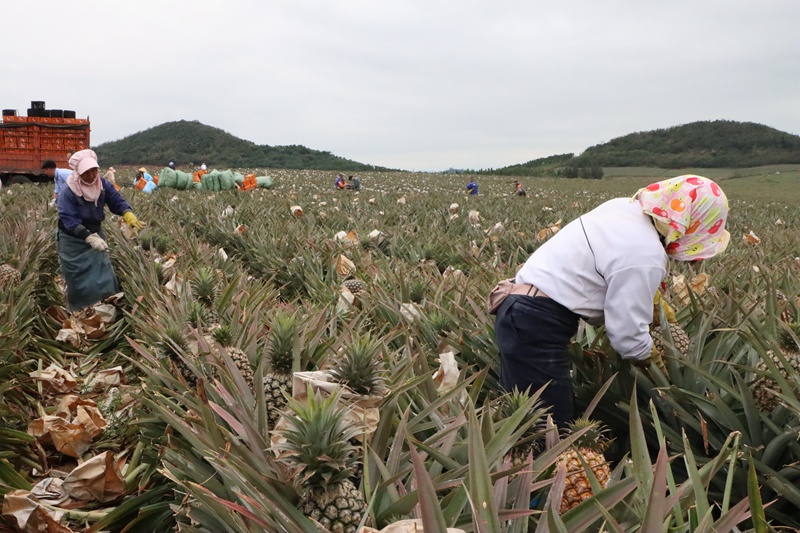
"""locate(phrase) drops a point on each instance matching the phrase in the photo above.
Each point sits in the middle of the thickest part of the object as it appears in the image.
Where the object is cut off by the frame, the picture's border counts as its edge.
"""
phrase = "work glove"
(654, 358)
(96, 241)
(132, 222)
(52, 203)
(660, 302)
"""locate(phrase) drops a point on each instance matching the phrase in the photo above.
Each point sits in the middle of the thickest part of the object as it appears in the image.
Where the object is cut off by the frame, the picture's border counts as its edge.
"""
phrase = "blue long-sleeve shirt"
(80, 218)
(472, 187)
(60, 180)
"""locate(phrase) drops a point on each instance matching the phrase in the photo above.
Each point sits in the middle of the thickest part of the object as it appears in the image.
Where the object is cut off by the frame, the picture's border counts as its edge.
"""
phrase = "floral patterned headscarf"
(691, 212)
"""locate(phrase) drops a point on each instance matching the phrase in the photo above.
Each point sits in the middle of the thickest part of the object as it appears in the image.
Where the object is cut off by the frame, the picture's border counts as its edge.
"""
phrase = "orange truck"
(28, 141)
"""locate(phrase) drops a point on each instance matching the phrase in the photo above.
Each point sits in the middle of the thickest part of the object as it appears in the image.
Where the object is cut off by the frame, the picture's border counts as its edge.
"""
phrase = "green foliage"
(192, 142)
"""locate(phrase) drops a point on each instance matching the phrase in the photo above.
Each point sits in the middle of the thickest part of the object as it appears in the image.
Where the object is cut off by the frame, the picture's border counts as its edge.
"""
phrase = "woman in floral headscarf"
(604, 267)
(81, 242)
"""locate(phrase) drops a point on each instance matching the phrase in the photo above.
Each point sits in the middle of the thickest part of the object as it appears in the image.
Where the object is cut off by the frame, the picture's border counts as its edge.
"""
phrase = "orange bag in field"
(198, 175)
(249, 183)
(155, 179)
(140, 183)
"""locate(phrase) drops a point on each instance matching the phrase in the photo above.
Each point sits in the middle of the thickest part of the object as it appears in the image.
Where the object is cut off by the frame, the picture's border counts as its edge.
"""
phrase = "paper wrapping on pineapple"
(474, 217)
(410, 311)
(446, 378)
(55, 378)
(453, 209)
(344, 267)
(296, 210)
(21, 510)
(69, 403)
(50, 492)
(360, 411)
(98, 479)
(549, 231)
(681, 291)
(105, 379)
(345, 303)
(68, 438)
(407, 526)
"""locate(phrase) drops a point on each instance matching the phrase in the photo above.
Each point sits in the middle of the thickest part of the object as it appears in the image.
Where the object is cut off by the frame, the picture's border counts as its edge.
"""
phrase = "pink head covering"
(693, 209)
(80, 162)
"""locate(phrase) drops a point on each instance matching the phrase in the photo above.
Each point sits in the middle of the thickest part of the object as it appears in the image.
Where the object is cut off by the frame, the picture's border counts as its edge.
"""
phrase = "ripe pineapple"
(224, 336)
(280, 355)
(679, 338)
(358, 367)
(590, 447)
(355, 285)
(318, 448)
(9, 276)
(764, 386)
(205, 288)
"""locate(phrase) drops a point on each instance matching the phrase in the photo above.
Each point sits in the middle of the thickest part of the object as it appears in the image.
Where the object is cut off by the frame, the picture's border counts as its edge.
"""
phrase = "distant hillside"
(192, 142)
(706, 144)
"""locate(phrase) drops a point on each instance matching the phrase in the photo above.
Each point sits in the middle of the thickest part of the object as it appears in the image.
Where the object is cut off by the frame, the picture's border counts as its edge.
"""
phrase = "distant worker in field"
(80, 240)
(606, 268)
(109, 175)
(203, 167)
(355, 183)
(58, 175)
(519, 190)
(339, 183)
(144, 181)
(171, 165)
(472, 187)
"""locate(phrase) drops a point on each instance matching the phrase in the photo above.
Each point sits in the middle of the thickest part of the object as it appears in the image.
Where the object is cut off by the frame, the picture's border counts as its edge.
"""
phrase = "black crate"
(69, 114)
(37, 104)
(57, 113)
(9, 112)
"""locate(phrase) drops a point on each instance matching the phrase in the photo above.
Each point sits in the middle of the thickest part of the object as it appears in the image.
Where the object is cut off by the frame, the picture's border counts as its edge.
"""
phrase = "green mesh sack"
(264, 182)
(226, 180)
(184, 180)
(167, 178)
(238, 177)
(198, 185)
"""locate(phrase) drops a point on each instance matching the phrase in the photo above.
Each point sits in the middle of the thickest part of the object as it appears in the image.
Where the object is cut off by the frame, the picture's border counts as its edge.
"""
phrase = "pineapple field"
(300, 360)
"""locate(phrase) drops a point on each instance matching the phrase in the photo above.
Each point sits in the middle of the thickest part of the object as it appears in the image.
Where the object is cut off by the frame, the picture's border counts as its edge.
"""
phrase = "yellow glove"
(655, 358)
(659, 300)
(132, 222)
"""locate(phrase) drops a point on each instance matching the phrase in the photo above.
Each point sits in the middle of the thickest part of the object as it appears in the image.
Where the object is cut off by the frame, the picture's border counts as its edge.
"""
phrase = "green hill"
(192, 142)
(705, 144)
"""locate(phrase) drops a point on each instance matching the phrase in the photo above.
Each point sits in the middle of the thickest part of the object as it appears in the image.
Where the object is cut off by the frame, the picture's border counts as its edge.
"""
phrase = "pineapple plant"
(171, 346)
(318, 449)
(588, 449)
(280, 356)
(765, 387)
(224, 337)
(510, 404)
(358, 367)
(205, 288)
(9, 276)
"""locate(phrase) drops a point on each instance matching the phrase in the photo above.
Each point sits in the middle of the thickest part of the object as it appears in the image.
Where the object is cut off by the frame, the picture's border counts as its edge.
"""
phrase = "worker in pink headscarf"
(605, 267)
(80, 240)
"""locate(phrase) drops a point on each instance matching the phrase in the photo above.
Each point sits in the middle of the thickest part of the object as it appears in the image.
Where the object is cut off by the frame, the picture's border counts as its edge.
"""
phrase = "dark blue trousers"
(533, 335)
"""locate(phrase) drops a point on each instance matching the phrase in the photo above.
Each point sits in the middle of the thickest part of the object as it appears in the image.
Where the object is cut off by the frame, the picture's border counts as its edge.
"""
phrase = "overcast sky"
(416, 85)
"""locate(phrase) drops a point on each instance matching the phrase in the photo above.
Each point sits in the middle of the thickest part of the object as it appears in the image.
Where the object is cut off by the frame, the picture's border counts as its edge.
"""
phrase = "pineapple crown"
(223, 334)
(514, 401)
(198, 315)
(204, 285)
(595, 436)
(788, 336)
(358, 368)
(172, 341)
(318, 441)
(280, 350)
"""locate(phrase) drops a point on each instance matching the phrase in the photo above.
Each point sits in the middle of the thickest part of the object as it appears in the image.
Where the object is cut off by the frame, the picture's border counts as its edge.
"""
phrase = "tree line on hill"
(190, 142)
(705, 144)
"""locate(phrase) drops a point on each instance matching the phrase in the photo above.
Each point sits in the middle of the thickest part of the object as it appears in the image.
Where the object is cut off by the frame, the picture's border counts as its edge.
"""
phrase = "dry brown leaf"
(98, 479)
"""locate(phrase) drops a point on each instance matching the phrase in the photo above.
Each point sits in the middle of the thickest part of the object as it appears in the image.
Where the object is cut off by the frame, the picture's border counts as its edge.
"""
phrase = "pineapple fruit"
(224, 336)
(354, 285)
(765, 386)
(280, 355)
(171, 346)
(589, 449)
(318, 449)
(679, 338)
(9, 276)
